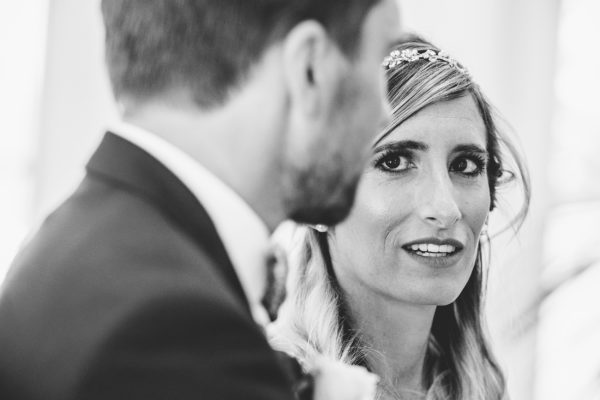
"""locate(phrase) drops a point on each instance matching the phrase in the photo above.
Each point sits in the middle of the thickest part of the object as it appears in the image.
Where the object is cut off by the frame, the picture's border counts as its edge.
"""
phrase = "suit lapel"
(131, 168)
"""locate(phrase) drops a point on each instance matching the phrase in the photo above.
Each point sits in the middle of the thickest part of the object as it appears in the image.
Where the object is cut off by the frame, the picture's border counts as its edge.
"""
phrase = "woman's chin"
(439, 296)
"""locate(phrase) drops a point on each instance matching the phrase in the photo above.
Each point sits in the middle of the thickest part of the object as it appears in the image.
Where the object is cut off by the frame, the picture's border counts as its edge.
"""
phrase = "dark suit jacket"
(126, 292)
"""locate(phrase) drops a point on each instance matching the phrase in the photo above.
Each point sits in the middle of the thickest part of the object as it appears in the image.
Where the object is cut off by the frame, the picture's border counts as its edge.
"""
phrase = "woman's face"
(421, 204)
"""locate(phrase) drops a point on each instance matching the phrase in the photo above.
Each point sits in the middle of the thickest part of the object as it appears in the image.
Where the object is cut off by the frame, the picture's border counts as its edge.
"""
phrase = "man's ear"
(311, 63)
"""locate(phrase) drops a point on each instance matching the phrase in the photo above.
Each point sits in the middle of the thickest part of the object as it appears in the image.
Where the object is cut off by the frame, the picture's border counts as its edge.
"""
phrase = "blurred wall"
(22, 44)
(77, 104)
(509, 47)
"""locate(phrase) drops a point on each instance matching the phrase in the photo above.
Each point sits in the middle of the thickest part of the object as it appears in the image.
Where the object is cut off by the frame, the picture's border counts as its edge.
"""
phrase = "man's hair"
(209, 46)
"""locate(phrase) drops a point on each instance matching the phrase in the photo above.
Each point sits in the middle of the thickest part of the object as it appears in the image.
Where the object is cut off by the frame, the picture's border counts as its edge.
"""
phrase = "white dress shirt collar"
(244, 235)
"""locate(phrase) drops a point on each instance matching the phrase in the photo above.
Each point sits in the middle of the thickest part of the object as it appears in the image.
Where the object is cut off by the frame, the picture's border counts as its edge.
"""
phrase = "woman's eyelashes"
(397, 161)
(394, 161)
(469, 164)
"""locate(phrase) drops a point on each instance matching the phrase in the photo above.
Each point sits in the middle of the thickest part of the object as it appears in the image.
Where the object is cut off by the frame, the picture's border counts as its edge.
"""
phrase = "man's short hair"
(208, 46)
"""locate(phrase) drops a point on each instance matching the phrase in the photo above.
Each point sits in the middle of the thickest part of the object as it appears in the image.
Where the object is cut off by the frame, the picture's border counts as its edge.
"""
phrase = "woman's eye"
(395, 162)
(466, 166)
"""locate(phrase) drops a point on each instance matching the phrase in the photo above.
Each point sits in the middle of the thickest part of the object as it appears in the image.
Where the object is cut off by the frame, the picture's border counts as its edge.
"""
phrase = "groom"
(237, 114)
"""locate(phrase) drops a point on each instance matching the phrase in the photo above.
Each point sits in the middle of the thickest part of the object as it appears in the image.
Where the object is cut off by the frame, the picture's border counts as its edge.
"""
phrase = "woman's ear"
(312, 66)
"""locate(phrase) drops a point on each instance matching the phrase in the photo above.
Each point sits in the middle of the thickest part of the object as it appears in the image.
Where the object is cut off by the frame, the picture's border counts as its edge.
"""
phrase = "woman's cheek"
(476, 208)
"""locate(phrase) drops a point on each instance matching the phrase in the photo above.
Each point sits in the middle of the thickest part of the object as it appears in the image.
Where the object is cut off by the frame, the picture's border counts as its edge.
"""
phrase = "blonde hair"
(459, 363)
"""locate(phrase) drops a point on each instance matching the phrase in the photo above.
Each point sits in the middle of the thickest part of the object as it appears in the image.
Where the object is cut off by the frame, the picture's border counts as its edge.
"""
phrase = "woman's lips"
(434, 247)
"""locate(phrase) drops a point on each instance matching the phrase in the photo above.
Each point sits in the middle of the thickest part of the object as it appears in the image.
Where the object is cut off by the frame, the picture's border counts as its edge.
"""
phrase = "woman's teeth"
(433, 250)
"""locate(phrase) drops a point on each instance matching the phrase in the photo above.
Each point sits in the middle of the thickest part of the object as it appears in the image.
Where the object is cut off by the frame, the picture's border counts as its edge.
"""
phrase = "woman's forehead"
(453, 120)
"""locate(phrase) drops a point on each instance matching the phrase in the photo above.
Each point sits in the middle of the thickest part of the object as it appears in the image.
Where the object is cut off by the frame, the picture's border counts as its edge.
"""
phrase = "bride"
(398, 286)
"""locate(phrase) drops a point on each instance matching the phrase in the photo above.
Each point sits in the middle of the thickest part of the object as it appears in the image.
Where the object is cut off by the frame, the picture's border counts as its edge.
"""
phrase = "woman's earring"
(484, 230)
(320, 228)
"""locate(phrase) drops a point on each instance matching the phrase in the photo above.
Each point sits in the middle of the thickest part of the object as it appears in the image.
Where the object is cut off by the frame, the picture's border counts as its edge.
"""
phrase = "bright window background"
(569, 330)
(23, 27)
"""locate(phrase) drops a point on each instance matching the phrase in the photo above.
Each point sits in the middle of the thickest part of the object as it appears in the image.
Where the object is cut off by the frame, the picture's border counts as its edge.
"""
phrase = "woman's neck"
(396, 335)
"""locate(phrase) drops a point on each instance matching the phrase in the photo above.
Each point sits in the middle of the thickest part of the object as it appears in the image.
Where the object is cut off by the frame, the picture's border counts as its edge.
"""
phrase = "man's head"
(329, 138)
(209, 46)
(316, 63)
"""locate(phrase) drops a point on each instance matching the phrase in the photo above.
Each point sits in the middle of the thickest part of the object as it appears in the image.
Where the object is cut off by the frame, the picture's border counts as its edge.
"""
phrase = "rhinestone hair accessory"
(398, 57)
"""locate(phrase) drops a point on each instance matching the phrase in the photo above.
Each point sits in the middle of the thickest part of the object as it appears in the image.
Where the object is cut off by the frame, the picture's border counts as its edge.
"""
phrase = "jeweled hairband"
(398, 57)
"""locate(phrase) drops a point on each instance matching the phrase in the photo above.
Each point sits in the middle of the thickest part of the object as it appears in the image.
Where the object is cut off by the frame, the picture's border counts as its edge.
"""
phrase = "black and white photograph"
(300, 200)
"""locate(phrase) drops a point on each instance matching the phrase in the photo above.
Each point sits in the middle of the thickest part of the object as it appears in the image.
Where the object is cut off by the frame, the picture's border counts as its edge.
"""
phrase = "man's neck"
(232, 143)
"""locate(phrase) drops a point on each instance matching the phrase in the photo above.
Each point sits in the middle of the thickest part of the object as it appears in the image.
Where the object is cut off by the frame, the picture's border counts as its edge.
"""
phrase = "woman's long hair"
(459, 364)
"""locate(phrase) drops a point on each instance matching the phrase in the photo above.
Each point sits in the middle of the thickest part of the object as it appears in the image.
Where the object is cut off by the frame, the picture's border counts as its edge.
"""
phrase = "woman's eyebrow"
(470, 148)
(402, 145)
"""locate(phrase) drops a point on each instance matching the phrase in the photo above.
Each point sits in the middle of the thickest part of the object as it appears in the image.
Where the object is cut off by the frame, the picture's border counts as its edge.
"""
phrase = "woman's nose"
(436, 201)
